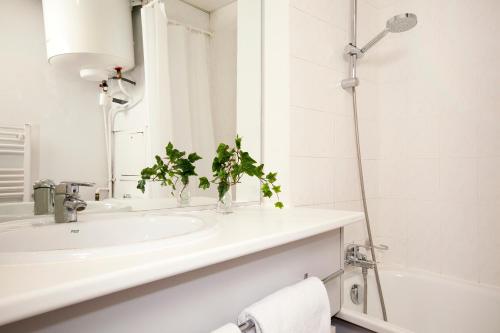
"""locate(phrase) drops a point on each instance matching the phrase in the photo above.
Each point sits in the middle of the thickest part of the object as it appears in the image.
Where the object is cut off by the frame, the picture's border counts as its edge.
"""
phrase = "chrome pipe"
(375, 40)
(364, 271)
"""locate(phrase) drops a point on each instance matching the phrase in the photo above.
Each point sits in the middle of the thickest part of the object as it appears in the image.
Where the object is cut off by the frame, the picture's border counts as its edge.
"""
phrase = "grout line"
(333, 25)
(334, 69)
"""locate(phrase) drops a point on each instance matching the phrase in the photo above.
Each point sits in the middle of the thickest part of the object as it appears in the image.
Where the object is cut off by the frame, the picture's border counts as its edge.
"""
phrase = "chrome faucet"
(43, 195)
(355, 258)
(68, 202)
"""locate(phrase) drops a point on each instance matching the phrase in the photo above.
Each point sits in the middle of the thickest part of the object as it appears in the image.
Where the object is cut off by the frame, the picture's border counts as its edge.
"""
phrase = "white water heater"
(91, 37)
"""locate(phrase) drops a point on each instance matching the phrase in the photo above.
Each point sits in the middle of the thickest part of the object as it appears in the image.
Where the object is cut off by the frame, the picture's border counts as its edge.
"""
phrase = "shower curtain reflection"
(191, 111)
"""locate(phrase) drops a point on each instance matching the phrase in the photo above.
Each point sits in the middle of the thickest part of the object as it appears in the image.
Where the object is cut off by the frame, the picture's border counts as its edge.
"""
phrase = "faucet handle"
(71, 187)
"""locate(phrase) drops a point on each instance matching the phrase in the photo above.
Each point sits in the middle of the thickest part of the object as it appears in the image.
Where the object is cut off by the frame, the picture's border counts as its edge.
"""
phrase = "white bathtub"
(424, 303)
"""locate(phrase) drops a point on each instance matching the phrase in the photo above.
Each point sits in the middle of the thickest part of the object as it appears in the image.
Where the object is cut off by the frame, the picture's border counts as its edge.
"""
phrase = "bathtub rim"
(371, 323)
(378, 325)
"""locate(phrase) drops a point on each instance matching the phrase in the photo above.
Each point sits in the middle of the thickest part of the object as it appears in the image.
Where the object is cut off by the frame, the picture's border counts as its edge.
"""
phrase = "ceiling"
(208, 5)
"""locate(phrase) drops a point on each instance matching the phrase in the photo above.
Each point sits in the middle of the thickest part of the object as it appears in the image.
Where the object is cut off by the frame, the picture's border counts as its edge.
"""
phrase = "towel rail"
(11, 145)
(11, 177)
(16, 141)
(11, 170)
(248, 325)
(12, 195)
(12, 152)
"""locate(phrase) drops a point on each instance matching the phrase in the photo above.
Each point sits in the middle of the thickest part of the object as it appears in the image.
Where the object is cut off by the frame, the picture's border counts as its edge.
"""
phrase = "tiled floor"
(346, 327)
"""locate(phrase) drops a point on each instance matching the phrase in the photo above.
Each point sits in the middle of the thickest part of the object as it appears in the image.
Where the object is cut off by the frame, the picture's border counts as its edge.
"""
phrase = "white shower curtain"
(178, 85)
(190, 91)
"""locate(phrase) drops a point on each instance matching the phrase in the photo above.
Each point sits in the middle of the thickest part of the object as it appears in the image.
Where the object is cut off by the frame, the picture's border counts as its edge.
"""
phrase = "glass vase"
(183, 196)
(225, 204)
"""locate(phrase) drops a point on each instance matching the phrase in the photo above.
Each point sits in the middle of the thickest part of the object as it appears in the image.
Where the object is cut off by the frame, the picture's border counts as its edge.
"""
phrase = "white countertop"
(31, 289)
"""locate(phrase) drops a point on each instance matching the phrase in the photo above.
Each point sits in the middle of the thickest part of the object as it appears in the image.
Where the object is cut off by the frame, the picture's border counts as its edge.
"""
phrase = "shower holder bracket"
(352, 50)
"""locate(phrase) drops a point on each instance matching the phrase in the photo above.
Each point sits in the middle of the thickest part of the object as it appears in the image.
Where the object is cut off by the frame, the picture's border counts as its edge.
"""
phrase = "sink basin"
(42, 240)
(24, 210)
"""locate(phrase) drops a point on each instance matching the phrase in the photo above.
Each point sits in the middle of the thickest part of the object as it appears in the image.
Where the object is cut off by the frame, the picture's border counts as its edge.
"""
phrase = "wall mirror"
(197, 74)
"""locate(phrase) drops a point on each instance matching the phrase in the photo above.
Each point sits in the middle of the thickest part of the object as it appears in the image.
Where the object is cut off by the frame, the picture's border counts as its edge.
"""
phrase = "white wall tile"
(458, 179)
(458, 134)
(312, 133)
(311, 39)
(489, 242)
(393, 178)
(312, 180)
(422, 135)
(312, 86)
(335, 12)
(371, 177)
(345, 143)
(389, 217)
(346, 180)
(423, 178)
(393, 135)
(459, 230)
(424, 235)
(488, 133)
(369, 136)
(488, 171)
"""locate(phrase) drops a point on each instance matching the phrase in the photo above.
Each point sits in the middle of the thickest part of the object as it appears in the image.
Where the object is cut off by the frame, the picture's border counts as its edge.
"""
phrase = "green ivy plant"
(231, 164)
(176, 167)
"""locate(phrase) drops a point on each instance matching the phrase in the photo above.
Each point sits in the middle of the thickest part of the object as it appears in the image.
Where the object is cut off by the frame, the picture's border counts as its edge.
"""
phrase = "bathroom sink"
(42, 240)
(24, 210)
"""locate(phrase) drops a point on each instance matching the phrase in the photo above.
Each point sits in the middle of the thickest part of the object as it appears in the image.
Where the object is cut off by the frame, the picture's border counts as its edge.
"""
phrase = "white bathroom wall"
(438, 153)
(429, 122)
(69, 142)
(323, 165)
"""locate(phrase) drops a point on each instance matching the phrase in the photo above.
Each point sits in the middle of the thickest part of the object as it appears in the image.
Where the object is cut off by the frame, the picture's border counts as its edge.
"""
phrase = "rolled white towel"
(301, 308)
(228, 328)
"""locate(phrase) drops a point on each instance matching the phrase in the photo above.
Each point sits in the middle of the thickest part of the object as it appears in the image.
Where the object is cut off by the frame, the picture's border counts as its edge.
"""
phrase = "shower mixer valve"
(358, 259)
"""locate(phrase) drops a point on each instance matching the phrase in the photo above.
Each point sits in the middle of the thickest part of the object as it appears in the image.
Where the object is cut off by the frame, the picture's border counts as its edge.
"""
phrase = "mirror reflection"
(184, 72)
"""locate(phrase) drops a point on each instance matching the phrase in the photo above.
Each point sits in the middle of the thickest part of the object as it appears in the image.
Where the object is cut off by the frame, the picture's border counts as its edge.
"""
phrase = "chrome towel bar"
(248, 325)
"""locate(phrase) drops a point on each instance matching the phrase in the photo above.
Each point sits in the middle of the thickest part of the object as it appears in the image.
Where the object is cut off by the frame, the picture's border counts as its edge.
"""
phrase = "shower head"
(396, 24)
(401, 23)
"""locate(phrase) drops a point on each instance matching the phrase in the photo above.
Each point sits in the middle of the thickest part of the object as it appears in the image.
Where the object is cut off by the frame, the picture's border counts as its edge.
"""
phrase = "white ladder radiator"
(15, 163)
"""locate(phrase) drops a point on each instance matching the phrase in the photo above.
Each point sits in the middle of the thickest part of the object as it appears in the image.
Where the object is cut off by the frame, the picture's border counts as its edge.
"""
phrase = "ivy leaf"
(141, 185)
(222, 189)
(271, 177)
(237, 142)
(266, 191)
(204, 183)
(230, 164)
(159, 161)
(177, 167)
(279, 205)
(169, 148)
(193, 157)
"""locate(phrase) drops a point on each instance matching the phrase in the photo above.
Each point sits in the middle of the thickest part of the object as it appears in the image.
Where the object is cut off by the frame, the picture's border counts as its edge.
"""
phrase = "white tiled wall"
(429, 110)
(323, 165)
(438, 137)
